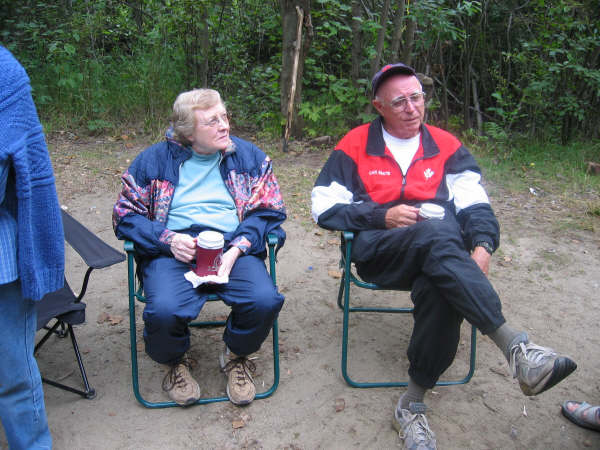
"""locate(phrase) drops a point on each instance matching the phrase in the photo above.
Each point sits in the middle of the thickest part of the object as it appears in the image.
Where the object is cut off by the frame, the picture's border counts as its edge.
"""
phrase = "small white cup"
(431, 211)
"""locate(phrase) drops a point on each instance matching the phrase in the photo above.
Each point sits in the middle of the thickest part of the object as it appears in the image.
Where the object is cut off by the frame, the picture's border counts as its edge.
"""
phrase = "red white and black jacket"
(361, 180)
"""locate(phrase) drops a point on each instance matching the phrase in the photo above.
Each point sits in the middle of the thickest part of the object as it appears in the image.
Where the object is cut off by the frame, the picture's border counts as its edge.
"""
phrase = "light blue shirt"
(8, 233)
(201, 197)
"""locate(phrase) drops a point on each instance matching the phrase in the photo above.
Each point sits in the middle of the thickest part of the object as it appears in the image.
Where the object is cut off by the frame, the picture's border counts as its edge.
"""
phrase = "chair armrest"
(272, 240)
(347, 238)
(348, 235)
(96, 253)
(129, 247)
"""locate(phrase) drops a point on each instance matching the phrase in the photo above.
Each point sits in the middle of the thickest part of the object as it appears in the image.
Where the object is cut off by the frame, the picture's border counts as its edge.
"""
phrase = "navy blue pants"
(430, 259)
(172, 303)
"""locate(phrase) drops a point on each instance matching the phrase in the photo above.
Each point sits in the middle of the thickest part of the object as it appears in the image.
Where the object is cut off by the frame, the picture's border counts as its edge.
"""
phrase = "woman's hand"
(183, 247)
(228, 260)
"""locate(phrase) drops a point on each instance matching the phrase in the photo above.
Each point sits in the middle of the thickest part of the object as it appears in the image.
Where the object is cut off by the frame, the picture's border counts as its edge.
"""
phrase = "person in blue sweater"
(31, 255)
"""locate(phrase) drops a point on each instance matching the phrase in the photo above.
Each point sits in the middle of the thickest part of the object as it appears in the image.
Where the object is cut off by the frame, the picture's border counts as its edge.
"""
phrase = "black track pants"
(430, 259)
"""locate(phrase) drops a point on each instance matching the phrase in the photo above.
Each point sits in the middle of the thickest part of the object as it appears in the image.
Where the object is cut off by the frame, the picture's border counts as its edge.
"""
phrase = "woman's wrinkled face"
(211, 132)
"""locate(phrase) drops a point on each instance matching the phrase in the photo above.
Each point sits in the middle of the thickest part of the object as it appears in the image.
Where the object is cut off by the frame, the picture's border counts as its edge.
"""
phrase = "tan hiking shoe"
(239, 370)
(180, 385)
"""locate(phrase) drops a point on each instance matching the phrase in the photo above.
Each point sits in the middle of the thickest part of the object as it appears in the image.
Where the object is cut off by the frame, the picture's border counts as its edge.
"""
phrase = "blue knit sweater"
(31, 193)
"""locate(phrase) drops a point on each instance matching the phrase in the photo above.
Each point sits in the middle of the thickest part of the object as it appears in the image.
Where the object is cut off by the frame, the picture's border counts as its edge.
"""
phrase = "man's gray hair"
(183, 119)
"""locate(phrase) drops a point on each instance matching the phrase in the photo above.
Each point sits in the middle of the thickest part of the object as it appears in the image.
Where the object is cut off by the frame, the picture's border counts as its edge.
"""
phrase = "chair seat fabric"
(62, 305)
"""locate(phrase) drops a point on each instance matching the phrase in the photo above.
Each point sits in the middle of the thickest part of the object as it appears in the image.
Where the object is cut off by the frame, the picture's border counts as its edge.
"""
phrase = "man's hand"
(228, 260)
(481, 256)
(401, 216)
(183, 247)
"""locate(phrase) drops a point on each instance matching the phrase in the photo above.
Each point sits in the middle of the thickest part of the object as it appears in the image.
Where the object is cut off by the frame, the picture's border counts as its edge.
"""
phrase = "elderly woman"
(201, 178)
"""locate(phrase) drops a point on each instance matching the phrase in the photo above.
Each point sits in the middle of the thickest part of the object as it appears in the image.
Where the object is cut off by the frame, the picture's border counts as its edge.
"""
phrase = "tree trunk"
(380, 37)
(409, 38)
(398, 27)
(136, 11)
(476, 103)
(290, 70)
(204, 47)
(444, 100)
(356, 41)
(468, 123)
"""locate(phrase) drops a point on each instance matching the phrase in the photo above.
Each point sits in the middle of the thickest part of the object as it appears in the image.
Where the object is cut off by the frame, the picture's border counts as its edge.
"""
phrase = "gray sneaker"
(179, 383)
(413, 428)
(538, 368)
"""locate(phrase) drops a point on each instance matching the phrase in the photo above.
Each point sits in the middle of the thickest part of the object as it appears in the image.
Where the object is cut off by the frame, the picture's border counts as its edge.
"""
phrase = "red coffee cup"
(209, 249)
(430, 211)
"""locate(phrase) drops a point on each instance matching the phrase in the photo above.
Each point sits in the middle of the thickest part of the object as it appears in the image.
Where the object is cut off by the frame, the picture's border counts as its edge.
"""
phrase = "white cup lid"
(210, 239)
(432, 211)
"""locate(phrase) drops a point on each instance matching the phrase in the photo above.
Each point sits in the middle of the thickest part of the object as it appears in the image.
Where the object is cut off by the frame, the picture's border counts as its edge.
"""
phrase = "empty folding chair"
(63, 306)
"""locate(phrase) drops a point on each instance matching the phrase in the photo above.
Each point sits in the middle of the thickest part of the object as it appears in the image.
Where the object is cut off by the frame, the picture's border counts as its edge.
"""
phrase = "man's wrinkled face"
(401, 103)
(211, 132)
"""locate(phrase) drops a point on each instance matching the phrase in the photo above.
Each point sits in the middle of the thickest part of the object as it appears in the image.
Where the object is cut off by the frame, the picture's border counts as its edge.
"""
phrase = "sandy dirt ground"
(547, 275)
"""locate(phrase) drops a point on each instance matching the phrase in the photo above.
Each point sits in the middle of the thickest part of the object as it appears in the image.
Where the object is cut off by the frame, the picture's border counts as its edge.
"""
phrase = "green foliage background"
(99, 65)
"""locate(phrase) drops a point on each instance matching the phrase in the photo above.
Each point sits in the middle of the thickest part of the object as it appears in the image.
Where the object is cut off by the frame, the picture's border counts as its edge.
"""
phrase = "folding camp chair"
(136, 293)
(66, 308)
(347, 279)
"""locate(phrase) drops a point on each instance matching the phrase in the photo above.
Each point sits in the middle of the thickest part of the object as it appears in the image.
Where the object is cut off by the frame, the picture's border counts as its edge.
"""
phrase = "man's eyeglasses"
(402, 102)
(216, 120)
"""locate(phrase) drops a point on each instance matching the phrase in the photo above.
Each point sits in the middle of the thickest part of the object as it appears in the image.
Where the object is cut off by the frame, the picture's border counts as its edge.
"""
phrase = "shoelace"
(242, 367)
(419, 424)
(174, 376)
(531, 352)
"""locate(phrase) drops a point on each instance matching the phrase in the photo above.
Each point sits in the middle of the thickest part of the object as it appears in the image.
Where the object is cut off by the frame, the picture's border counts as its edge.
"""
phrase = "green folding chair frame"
(136, 293)
(347, 279)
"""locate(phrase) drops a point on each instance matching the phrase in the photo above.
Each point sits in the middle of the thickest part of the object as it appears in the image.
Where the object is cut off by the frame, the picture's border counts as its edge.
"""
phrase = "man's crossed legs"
(431, 260)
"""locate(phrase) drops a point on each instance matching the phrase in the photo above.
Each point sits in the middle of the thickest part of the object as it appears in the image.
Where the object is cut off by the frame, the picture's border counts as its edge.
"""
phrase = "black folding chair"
(66, 308)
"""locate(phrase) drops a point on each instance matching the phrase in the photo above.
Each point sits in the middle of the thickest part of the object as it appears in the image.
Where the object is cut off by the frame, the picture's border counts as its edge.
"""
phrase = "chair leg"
(89, 392)
(341, 291)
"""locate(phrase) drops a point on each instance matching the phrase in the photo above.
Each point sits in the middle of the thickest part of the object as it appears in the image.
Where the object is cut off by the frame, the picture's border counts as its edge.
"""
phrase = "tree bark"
(444, 99)
(292, 94)
(380, 37)
(409, 38)
(398, 27)
(204, 47)
(290, 26)
(355, 25)
(476, 103)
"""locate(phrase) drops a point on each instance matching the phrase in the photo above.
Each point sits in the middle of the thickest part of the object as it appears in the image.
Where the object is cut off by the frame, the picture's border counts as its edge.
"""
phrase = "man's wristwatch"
(486, 245)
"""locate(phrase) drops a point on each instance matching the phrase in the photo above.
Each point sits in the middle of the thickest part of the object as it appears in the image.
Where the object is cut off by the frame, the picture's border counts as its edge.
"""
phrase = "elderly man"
(374, 183)
(201, 178)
